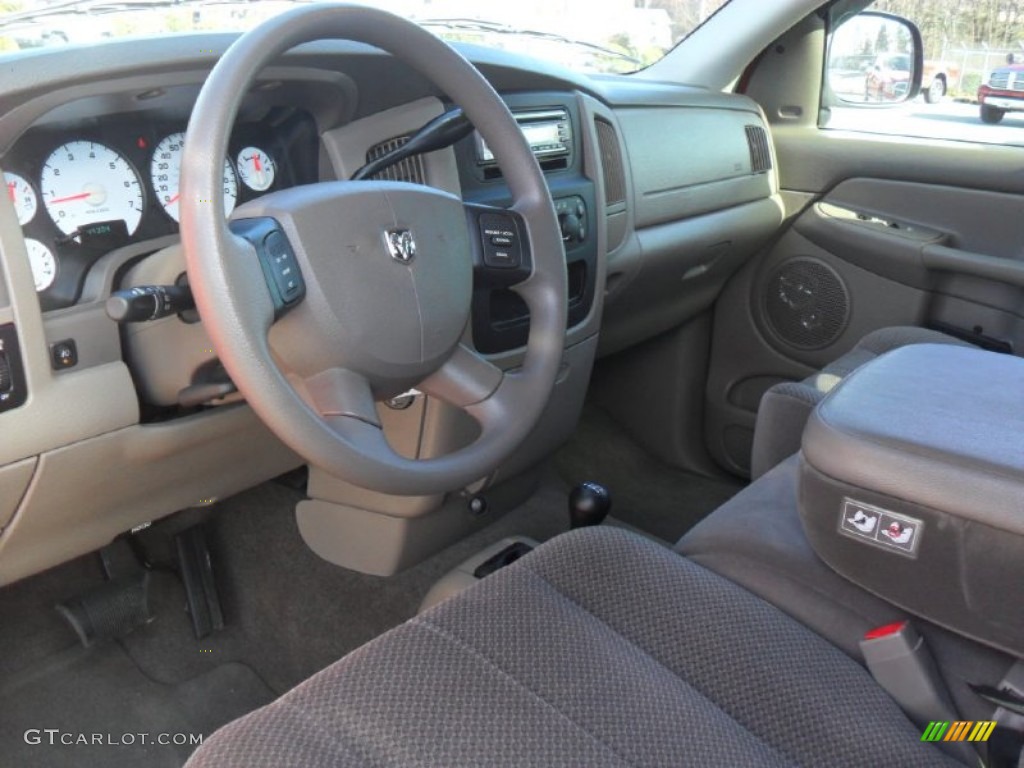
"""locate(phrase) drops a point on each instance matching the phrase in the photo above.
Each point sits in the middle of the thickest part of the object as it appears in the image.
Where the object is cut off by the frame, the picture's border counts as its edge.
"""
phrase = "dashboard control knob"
(572, 228)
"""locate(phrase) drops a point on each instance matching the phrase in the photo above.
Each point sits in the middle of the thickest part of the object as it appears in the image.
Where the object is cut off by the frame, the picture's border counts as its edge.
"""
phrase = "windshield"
(602, 36)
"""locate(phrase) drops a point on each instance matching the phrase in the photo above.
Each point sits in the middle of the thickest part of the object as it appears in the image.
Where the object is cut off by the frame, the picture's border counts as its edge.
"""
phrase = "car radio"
(548, 132)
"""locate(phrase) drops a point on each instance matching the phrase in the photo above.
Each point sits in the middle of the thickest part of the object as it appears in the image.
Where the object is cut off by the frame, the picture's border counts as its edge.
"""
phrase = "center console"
(912, 486)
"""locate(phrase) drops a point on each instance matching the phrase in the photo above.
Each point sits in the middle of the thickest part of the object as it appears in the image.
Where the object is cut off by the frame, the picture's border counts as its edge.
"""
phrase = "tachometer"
(256, 169)
(22, 196)
(44, 264)
(83, 183)
(165, 173)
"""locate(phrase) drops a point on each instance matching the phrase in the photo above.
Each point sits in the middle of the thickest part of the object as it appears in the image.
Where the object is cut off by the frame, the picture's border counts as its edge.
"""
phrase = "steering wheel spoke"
(339, 393)
(465, 380)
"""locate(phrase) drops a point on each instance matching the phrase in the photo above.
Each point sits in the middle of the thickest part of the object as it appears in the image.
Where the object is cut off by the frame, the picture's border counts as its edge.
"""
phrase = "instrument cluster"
(81, 191)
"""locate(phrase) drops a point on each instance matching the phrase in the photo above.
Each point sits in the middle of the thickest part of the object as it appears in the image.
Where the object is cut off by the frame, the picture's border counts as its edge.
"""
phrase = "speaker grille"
(760, 151)
(611, 163)
(806, 303)
(410, 169)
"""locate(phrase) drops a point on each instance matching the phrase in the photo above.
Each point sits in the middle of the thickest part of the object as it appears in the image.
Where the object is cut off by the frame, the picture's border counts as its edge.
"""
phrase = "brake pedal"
(109, 611)
(196, 568)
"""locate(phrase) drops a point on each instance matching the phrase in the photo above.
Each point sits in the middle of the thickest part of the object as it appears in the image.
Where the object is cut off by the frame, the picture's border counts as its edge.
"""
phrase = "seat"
(785, 407)
(757, 540)
(600, 648)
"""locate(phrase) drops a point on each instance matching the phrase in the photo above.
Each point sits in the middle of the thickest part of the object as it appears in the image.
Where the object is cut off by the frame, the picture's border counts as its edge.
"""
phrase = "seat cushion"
(757, 540)
(786, 407)
(600, 648)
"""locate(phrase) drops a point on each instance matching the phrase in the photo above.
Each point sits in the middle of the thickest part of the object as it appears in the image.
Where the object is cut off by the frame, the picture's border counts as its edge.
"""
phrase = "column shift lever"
(589, 504)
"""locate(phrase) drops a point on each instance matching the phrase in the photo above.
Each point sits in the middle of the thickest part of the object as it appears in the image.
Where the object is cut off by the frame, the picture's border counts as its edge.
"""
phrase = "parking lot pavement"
(945, 120)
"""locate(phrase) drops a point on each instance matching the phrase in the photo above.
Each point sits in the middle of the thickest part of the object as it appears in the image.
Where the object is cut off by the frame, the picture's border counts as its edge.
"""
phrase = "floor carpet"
(83, 708)
(646, 493)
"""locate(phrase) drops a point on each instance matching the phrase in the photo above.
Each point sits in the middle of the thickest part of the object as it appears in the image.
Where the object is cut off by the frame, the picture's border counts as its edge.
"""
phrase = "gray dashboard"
(676, 188)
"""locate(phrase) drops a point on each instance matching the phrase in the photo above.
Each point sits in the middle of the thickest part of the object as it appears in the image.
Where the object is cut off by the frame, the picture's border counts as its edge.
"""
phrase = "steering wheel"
(324, 298)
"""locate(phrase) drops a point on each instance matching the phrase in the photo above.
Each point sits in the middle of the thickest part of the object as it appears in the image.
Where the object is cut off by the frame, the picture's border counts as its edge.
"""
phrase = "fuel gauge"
(22, 196)
(44, 264)
(256, 169)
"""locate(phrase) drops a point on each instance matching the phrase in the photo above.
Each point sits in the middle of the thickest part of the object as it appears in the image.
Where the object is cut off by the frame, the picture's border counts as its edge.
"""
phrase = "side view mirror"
(859, 46)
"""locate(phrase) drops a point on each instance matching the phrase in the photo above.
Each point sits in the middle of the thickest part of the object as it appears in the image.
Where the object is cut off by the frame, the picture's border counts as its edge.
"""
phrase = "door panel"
(953, 258)
(867, 254)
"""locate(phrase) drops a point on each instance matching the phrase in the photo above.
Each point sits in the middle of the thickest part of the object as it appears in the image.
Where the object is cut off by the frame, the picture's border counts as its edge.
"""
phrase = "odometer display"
(83, 182)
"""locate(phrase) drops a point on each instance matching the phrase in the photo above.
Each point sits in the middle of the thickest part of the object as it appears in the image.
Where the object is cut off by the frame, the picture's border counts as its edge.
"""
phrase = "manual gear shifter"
(589, 504)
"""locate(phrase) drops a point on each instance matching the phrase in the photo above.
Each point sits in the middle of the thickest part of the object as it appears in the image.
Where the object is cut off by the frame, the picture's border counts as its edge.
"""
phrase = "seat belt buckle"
(899, 661)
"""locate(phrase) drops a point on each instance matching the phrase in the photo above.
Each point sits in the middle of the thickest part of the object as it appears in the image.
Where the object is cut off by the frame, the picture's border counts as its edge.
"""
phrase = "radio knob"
(572, 228)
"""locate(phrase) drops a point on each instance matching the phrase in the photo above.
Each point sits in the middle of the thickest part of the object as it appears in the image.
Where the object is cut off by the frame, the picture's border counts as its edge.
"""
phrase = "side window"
(972, 73)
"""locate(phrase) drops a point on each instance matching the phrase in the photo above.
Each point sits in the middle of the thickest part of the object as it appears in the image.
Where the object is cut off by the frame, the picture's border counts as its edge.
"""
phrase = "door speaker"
(806, 303)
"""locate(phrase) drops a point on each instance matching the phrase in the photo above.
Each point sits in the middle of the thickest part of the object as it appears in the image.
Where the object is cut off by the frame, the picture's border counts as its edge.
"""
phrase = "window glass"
(604, 36)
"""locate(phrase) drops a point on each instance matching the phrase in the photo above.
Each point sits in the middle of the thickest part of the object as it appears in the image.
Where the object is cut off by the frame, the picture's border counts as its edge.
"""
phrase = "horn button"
(388, 277)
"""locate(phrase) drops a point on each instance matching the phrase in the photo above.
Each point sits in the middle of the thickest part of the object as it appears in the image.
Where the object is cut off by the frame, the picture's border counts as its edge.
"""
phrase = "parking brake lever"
(443, 131)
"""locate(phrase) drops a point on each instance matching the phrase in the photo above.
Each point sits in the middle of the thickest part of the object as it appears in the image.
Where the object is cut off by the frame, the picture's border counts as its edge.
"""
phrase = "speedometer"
(84, 183)
(165, 174)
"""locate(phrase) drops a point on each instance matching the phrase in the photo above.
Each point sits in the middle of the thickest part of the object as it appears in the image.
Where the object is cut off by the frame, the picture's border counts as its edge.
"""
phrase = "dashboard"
(84, 188)
(659, 191)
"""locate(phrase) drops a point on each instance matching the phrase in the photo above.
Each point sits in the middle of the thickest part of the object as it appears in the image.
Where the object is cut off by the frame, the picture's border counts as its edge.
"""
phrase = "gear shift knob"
(589, 504)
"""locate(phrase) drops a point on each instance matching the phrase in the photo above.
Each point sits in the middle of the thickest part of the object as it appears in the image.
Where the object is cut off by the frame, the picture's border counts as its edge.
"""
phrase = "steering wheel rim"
(328, 416)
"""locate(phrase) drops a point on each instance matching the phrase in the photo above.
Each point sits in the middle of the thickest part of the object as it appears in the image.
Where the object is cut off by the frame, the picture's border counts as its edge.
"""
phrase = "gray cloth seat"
(600, 648)
(786, 407)
(757, 540)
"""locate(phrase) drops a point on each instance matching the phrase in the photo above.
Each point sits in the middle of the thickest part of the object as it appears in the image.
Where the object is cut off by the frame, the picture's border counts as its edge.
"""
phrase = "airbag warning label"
(880, 527)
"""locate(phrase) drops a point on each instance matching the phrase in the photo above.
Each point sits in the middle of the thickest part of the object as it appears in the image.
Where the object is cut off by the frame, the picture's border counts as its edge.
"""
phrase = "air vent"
(611, 163)
(760, 150)
(411, 169)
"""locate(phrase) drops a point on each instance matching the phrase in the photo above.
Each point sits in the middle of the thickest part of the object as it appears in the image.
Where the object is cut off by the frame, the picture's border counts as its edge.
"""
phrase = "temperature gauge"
(44, 264)
(22, 196)
(256, 169)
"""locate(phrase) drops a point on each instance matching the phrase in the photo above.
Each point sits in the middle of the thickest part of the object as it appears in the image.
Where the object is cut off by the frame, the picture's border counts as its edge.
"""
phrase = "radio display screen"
(543, 137)
(541, 134)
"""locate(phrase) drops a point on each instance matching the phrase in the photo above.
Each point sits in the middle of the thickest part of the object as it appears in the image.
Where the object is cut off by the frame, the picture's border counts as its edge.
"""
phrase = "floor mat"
(646, 493)
(83, 708)
(289, 613)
